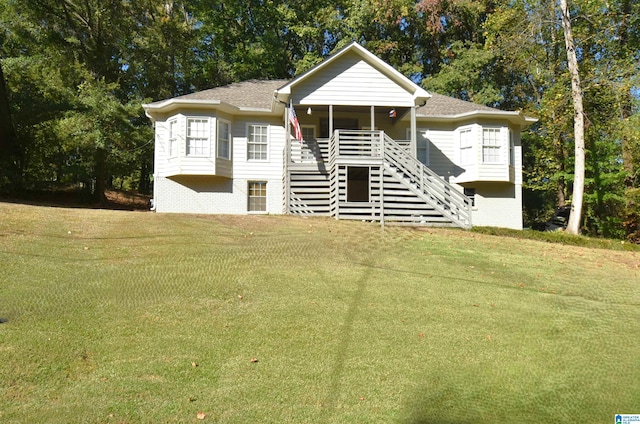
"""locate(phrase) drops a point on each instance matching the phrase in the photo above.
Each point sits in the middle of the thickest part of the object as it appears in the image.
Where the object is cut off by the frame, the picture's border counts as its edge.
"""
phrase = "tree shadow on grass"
(114, 199)
(426, 408)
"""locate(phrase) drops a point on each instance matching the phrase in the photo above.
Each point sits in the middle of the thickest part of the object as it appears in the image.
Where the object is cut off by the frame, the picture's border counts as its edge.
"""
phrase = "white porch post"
(414, 138)
(373, 117)
(330, 121)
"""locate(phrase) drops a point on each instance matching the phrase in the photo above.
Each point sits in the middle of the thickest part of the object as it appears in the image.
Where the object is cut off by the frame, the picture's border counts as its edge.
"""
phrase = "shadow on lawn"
(436, 408)
(114, 199)
(343, 345)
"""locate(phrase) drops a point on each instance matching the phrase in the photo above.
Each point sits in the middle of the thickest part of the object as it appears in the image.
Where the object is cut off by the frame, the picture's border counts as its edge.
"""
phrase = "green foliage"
(631, 215)
(561, 237)
(468, 75)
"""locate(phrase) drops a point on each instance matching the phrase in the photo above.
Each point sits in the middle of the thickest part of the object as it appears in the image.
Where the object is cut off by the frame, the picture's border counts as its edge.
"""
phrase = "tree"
(573, 226)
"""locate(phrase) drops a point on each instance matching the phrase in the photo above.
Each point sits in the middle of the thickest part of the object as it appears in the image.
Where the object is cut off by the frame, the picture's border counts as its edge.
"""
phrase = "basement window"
(257, 199)
(471, 194)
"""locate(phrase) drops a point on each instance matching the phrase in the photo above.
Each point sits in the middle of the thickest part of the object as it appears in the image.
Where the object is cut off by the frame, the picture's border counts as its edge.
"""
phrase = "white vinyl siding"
(491, 145)
(258, 142)
(197, 140)
(224, 139)
(354, 82)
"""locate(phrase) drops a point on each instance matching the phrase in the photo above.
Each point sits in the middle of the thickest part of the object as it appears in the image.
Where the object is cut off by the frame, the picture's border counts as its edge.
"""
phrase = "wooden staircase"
(402, 190)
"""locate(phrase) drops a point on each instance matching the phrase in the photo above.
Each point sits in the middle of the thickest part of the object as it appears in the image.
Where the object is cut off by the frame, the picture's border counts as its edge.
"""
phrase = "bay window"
(491, 145)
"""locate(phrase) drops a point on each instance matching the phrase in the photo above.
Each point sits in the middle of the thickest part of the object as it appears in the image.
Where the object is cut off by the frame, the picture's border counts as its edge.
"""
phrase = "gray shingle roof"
(254, 94)
(258, 94)
(439, 105)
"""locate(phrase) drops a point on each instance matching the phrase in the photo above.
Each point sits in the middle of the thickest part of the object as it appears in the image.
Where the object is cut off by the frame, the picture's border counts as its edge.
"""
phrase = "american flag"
(296, 125)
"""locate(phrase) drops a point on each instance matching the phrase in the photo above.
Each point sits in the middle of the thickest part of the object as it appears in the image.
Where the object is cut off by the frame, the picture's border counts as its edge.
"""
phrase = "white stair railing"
(442, 195)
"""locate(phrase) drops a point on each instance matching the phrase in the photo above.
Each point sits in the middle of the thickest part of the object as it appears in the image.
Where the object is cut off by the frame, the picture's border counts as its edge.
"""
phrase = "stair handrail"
(453, 203)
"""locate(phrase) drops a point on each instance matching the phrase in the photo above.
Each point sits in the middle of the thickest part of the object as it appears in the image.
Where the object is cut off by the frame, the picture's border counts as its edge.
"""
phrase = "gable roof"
(419, 94)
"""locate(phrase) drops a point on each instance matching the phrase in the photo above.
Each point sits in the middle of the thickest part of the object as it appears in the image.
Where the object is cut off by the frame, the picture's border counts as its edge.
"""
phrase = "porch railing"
(350, 143)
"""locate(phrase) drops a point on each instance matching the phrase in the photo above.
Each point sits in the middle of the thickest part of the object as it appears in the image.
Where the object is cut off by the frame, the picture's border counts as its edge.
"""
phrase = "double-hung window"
(512, 150)
(224, 139)
(198, 137)
(257, 142)
(466, 147)
(491, 145)
(173, 138)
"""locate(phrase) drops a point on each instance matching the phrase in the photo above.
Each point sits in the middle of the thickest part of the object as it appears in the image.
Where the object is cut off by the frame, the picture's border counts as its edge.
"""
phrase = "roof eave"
(153, 109)
(514, 117)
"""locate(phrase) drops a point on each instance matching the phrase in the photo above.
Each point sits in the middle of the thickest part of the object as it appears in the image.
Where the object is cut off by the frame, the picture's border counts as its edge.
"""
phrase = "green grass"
(131, 317)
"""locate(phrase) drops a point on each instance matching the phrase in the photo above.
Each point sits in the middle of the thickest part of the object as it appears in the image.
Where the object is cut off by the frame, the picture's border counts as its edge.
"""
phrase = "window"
(491, 145)
(512, 153)
(257, 142)
(310, 150)
(198, 137)
(173, 138)
(471, 194)
(308, 132)
(257, 201)
(224, 137)
(466, 147)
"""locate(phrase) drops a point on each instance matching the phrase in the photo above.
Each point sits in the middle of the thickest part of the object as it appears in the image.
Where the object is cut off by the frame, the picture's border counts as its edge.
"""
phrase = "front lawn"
(136, 317)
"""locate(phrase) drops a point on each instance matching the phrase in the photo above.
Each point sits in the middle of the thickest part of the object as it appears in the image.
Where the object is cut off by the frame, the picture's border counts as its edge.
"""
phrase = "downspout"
(414, 130)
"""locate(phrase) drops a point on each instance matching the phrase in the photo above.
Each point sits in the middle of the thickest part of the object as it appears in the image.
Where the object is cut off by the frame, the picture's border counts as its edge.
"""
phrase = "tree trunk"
(573, 226)
(626, 102)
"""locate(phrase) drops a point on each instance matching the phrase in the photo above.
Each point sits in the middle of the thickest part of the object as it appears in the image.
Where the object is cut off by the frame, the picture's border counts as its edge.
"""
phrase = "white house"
(375, 146)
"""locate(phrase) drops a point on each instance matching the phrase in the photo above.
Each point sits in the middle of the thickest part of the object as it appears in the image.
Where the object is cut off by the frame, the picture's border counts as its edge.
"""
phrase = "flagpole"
(287, 161)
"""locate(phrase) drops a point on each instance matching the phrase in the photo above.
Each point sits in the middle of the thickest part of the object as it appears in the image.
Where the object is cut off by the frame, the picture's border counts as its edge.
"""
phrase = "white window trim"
(266, 196)
(207, 149)
(268, 142)
(229, 139)
(499, 146)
